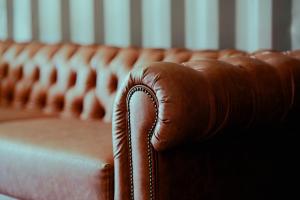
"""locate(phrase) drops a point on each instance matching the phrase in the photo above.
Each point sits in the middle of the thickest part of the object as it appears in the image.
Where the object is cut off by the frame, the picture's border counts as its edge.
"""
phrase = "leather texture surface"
(56, 159)
(248, 96)
(155, 123)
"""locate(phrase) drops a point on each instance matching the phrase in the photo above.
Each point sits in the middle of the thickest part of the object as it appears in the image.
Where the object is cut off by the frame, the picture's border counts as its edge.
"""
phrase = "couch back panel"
(78, 81)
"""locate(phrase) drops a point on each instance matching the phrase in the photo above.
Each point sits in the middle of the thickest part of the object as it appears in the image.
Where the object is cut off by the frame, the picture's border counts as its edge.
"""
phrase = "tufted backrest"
(80, 81)
(13, 61)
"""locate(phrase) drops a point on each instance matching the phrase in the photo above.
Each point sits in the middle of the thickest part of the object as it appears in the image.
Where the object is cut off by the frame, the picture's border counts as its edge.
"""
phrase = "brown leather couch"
(100, 122)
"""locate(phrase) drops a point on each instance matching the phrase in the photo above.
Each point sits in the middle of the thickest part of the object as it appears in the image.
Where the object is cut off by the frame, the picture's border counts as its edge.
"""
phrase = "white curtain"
(196, 24)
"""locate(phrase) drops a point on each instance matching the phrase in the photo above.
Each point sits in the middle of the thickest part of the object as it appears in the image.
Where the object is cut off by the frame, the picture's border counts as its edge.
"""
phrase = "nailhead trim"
(150, 94)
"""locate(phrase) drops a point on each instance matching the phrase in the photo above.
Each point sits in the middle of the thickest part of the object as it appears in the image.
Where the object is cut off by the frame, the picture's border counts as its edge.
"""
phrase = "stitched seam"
(151, 95)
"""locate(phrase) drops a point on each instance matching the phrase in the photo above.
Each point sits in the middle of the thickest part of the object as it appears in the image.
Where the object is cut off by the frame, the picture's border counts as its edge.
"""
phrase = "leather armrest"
(165, 105)
(150, 103)
(198, 99)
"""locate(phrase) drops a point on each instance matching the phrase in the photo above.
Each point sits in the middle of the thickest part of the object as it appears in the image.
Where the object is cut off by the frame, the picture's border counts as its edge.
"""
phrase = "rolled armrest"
(198, 99)
(165, 105)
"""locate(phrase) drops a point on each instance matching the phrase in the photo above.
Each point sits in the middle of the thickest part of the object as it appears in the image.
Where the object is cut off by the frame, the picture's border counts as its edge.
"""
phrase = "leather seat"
(40, 156)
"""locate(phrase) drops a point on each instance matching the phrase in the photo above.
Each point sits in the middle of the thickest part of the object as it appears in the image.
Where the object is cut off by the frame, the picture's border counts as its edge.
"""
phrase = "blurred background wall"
(196, 24)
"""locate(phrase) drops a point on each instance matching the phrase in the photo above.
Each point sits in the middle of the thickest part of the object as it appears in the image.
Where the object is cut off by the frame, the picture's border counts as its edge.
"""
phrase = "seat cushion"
(56, 159)
(9, 114)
